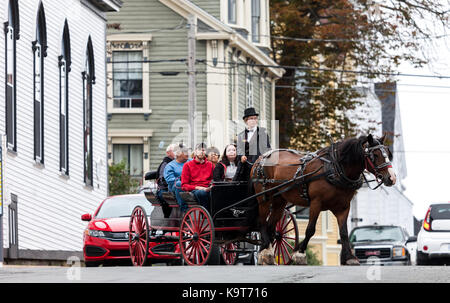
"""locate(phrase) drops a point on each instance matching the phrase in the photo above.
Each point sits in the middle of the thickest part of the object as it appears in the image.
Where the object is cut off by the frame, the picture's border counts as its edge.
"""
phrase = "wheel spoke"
(291, 238)
(288, 259)
(204, 240)
(288, 221)
(200, 246)
(288, 231)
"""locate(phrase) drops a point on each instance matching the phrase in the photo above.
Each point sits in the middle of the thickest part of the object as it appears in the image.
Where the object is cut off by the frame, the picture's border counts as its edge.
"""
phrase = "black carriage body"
(226, 209)
(223, 195)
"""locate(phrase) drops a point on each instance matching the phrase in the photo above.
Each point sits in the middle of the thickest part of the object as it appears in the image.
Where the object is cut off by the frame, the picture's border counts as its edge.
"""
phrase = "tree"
(325, 39)
(120, 181)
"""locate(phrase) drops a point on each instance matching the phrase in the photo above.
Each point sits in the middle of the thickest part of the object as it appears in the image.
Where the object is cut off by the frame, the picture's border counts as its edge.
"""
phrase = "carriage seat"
(151, 197)
(169, 198)
(189, 198)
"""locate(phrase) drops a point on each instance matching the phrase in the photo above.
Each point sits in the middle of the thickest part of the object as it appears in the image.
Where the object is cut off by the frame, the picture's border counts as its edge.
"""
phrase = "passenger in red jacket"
(197, 175)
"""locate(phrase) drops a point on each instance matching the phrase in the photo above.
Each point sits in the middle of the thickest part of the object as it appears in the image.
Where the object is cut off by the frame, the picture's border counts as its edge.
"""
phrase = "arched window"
(12, 30)
(64, 69)
(88, 80)
(39, 47)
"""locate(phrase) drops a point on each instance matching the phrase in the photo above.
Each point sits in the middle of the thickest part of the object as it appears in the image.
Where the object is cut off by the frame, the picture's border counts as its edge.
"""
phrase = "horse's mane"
(349, 150)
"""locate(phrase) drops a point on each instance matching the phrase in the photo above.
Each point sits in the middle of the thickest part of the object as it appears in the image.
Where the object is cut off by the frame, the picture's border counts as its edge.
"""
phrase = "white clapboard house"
(385, 205)
(53, 123)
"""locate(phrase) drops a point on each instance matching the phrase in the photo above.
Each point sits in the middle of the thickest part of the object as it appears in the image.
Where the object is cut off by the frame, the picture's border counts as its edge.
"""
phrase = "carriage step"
(167, 253)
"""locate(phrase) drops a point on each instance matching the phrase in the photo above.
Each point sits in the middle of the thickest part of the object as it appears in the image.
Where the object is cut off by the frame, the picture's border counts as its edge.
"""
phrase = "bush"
(311, 257)
(120, 181)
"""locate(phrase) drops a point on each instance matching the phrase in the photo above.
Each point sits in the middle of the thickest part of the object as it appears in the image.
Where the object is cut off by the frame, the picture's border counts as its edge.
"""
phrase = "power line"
(333, 70)
(347, 40)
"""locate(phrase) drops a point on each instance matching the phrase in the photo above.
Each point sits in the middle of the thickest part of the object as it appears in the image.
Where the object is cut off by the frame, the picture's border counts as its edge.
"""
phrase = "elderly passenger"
(213, 155)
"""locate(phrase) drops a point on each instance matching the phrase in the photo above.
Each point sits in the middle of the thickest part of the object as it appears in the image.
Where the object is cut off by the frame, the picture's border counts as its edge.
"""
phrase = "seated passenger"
(226, 169)
(162, 184)
(197, 176)
(213, 154)
(172, 172)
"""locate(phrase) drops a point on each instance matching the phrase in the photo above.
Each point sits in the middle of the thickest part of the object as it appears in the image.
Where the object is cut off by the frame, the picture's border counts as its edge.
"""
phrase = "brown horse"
(325, 180)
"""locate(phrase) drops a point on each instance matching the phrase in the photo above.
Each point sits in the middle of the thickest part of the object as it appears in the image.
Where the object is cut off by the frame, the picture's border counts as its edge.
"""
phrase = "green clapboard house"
(148, 81)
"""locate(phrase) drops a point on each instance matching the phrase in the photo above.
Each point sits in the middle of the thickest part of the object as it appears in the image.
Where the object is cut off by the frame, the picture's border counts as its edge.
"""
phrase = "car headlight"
(96, 233)
(398, 252)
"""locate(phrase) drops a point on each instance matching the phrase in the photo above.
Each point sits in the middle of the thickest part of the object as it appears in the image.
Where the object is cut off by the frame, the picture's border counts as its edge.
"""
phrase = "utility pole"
(192, 94)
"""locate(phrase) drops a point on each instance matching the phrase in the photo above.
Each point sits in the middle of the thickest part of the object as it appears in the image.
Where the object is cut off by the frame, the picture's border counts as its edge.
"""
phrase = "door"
(13, 252)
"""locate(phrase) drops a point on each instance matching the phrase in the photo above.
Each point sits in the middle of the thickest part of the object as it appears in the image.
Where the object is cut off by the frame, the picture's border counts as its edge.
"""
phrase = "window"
(88, 76)
(132, 155)
(127, 71)
(64, 69)
(11, 35)
(39, 52)
(256, 17)
(232, 11)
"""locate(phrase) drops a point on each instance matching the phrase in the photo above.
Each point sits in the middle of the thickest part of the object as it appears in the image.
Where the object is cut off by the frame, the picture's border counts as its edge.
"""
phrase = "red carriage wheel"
(229, 254)
(138, 236)
(196, 236)
(286, 238)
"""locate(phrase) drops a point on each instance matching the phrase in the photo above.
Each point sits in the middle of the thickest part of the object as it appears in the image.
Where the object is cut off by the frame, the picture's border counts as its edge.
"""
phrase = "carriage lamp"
(398, 252)
(96, 233)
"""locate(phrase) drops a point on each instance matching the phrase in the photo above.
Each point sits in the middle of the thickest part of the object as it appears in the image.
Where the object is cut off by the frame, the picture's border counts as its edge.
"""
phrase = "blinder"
(370, 157)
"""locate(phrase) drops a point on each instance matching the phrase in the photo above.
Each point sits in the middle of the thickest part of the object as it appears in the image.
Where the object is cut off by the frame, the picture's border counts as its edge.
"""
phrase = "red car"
(106, 236)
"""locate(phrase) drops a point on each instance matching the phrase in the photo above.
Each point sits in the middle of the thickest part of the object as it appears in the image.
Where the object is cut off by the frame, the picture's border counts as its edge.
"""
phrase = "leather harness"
(333, 173)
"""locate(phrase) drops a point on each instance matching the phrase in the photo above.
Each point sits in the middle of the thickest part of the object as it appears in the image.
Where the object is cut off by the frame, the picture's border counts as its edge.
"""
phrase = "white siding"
(50, 206)
(385, 205)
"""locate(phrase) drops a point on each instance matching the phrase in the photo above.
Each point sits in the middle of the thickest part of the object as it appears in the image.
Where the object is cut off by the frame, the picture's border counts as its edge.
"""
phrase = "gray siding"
(256, 92)
(210, 6)
(242, 99)
(168, 94)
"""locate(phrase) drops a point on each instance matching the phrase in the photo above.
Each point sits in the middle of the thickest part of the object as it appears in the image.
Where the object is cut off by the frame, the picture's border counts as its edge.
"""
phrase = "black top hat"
(250, 112)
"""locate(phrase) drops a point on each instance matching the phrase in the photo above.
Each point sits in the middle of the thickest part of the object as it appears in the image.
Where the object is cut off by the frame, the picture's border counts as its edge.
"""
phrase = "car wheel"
(92, 263)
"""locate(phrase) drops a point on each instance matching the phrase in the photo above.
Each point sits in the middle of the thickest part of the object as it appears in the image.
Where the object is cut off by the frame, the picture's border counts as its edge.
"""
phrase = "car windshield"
(122, 206)
(378, 233)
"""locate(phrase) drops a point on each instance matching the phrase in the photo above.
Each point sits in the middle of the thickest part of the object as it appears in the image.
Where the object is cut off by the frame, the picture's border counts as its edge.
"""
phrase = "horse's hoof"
(352, 262)
(299, 259)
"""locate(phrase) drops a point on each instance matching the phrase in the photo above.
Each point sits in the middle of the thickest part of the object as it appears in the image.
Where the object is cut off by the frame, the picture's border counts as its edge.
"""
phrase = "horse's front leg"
(299, 256)
(347, 258)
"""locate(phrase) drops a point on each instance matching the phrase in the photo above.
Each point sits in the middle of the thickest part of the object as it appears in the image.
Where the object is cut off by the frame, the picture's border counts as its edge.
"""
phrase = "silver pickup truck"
(381, 244)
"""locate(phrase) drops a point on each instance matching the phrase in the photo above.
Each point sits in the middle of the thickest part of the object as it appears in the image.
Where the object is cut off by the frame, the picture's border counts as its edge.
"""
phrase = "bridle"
(369, 159)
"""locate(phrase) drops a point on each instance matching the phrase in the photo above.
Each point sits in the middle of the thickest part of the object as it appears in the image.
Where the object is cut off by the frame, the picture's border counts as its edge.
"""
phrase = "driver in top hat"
(251, 143)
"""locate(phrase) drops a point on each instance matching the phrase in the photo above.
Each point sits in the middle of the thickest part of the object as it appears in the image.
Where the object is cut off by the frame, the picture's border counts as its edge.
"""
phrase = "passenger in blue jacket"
(172, 171)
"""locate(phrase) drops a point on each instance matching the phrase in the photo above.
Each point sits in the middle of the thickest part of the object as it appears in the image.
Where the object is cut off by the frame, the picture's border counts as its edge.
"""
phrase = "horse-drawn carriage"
(324, 180)
(212, 237)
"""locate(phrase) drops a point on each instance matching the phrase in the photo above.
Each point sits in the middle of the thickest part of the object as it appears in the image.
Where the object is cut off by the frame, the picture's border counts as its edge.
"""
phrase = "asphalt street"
(227, 274)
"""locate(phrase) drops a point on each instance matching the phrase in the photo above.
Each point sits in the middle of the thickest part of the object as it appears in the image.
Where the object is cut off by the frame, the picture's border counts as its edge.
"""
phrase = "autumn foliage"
(335, 46)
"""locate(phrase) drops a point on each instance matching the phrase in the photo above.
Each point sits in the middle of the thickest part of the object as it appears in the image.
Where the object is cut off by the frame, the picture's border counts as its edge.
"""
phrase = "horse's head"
(377, 158)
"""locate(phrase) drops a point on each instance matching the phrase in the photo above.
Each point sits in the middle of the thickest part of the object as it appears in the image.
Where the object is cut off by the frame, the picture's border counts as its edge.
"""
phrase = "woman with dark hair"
(226, 168)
